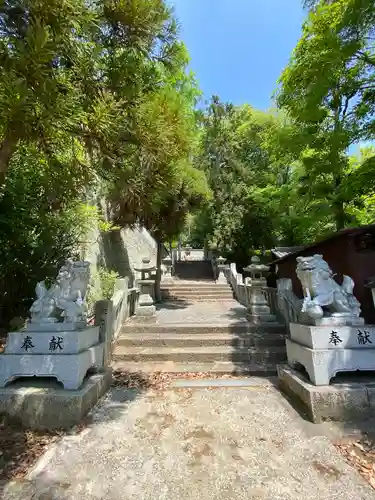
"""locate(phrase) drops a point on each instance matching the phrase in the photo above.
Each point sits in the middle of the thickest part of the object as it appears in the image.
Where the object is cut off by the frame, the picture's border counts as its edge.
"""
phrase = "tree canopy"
(95, 101)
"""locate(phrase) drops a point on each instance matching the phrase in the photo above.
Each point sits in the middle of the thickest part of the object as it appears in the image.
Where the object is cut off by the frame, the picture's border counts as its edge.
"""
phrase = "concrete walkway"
(206, 444)
(228, 312)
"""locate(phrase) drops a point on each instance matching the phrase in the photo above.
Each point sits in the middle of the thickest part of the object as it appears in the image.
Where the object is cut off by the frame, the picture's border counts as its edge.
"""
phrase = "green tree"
(41, 54)
(327, 89)
(153, 181)
(235, 153)
(90, 91)
(81, 68)
(42, 221)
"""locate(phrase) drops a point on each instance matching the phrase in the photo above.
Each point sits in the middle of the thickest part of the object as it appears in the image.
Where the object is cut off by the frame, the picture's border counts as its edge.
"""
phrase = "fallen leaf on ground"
(359, 454)
(160, 380)
(20, 448)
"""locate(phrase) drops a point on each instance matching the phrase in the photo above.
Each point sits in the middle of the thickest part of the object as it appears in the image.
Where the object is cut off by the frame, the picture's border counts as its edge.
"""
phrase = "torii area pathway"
(189, 444)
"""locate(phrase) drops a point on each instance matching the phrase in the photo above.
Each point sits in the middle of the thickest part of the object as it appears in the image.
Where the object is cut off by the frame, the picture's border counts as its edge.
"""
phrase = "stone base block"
(52, 342)
(335, 321)
(259, 319)
(328, 337)
(70, 369)
(167, 279)
(323, 364)
(340, 402)
(222, 280)
(145, 311)
(41, 404)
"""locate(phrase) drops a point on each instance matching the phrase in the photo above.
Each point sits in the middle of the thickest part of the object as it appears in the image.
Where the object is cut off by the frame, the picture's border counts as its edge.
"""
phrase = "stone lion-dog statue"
(320, 290)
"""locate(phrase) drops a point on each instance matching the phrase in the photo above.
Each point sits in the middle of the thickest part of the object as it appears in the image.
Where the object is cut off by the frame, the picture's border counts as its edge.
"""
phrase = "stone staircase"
(194, 291)
(199, 327)
(194, 270)
(237, 348)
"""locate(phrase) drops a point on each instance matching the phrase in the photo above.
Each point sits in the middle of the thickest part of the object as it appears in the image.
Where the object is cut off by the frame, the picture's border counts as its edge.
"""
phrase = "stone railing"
(111, 314)
(288, 303)
(243, 289)
(132, 302)
(271, 297)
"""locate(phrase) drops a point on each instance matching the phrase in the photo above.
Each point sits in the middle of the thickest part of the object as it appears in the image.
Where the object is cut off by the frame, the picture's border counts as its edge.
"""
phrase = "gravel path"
(189, 444)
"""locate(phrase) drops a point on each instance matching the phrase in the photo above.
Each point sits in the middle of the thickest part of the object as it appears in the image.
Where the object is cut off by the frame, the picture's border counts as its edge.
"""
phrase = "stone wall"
(120, 250)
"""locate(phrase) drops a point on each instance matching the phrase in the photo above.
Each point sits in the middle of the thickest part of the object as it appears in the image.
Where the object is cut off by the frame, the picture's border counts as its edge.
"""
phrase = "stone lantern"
(258, 308)
(220, 262)
(187, 253)
(146, 307)
(167, 262)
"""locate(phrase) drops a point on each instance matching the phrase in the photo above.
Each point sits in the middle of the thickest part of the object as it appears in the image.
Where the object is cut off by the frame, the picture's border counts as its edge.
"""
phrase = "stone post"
(104, 319)
(221, 280)
(146, 307)
(258, 309)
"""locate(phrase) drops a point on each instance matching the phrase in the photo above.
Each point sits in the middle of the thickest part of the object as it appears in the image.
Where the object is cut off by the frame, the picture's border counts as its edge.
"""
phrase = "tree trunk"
(7, 148)
(159, 253)
(338, 206)
(171, 256)
(339, 214)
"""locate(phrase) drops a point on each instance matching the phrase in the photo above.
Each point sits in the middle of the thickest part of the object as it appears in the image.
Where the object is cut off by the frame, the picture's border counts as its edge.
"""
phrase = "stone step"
(198, 291)
(223, 367)
(200, 298)
(205, 339)
(194, 286)
(251, 355)
(202, 328)
(191, 300)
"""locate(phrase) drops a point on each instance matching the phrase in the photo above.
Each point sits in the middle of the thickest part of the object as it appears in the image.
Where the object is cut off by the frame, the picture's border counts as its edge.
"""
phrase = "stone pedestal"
(44, 405)
(221, 279)
(326, 350)
(56, 341)
(345, 401)
(258, 308)
(64, 354)
(167, 276)
(146, 307)
(69, 369)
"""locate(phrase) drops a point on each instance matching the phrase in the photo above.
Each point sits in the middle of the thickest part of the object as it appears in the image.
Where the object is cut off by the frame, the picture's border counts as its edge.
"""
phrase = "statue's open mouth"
(307, 268)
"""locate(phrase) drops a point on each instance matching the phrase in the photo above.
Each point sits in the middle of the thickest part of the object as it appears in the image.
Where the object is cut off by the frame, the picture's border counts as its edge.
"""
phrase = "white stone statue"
(73, 280)
(44, 306)
(65, 299)
(321, 290)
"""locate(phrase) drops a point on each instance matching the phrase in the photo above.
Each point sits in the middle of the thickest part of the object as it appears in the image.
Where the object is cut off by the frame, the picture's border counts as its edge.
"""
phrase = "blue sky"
(238, 48)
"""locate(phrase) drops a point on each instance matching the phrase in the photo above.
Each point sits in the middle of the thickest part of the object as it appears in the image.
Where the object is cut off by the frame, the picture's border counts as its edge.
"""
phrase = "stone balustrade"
(250, 291)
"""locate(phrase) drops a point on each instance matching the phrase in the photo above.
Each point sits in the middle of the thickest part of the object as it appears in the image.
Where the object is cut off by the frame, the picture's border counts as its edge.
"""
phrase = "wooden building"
(350, 251)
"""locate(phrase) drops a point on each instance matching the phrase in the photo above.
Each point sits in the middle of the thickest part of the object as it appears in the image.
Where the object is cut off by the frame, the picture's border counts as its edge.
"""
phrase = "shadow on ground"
(126, 387)
(258, 348)
(20, 448)
(172, 304)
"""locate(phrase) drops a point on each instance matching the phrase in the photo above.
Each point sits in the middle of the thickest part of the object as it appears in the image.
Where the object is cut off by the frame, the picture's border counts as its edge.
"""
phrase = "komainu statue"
(320, 290)
(64, 301)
